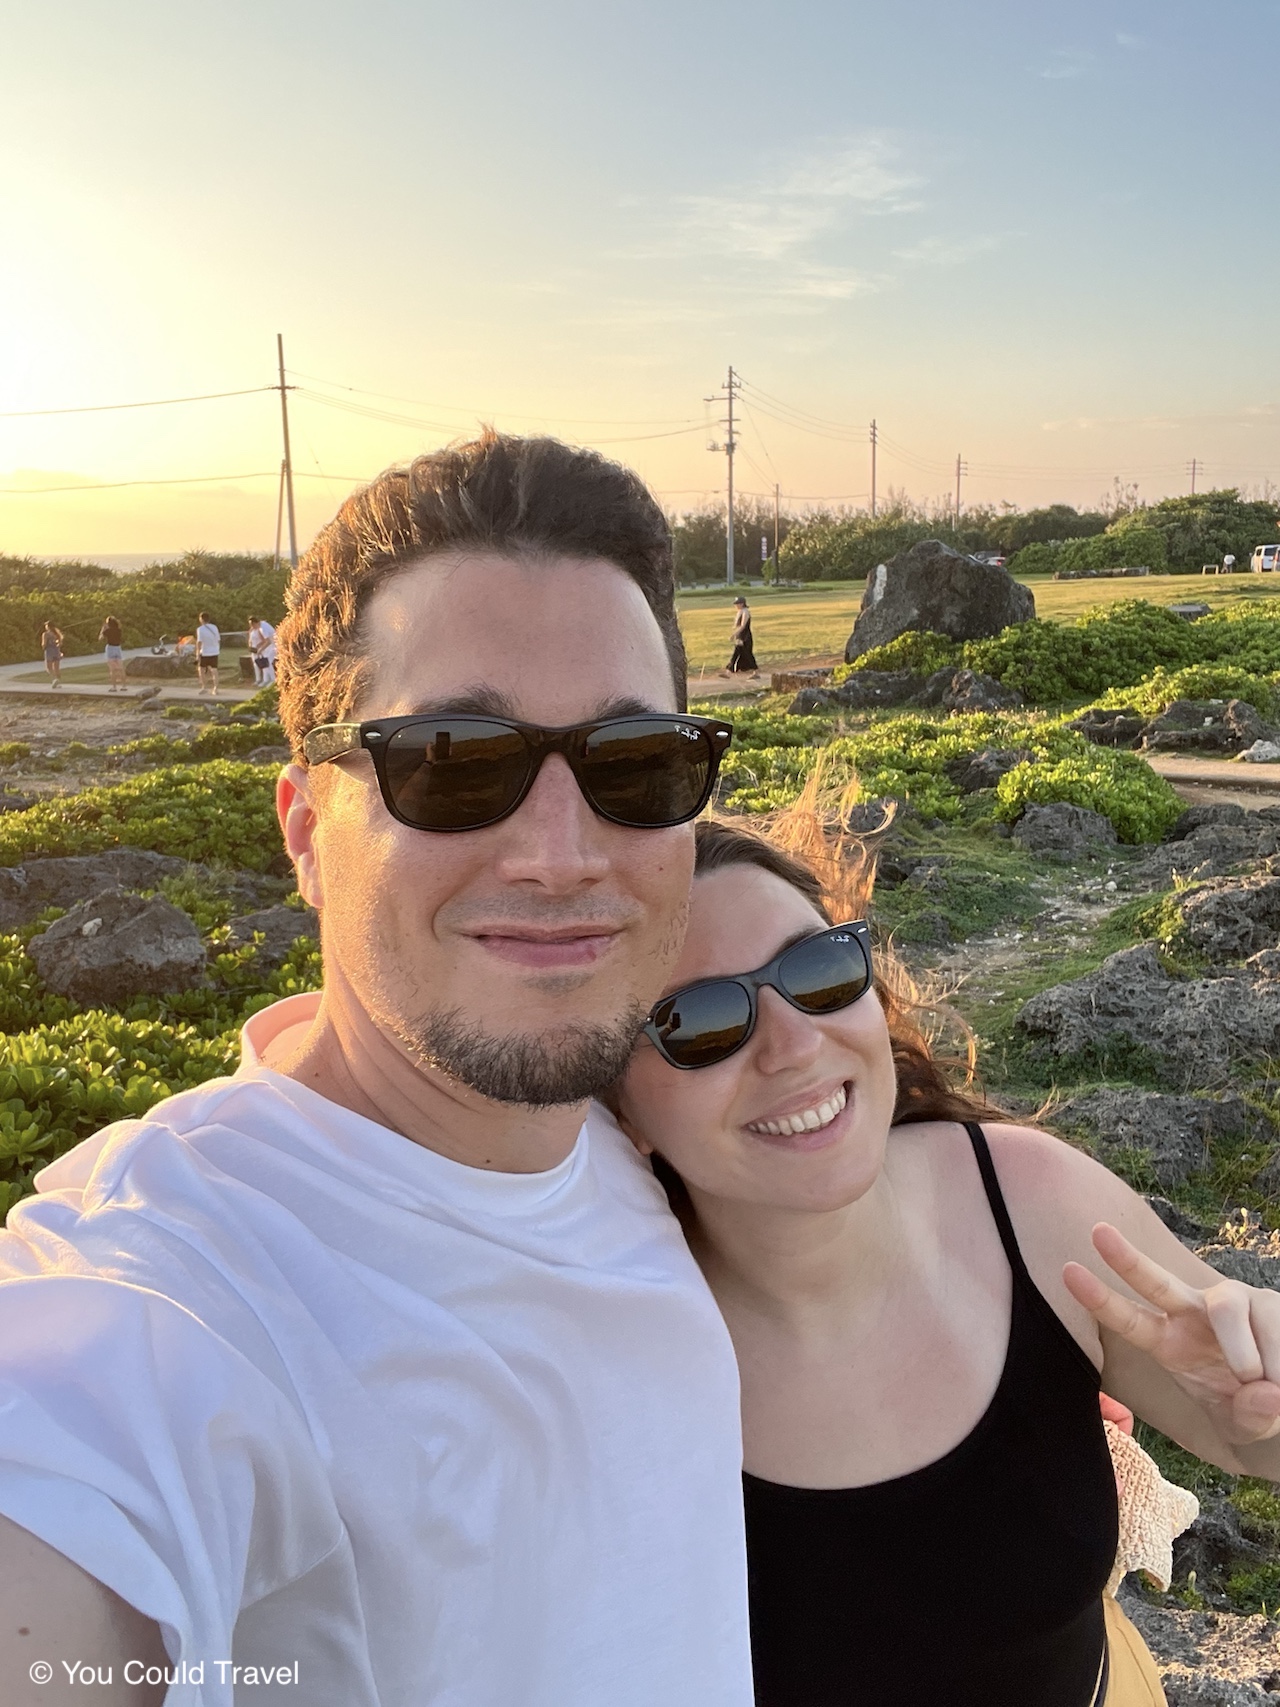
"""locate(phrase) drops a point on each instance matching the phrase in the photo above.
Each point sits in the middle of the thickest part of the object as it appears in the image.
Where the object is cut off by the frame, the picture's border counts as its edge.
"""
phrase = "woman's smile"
(810, 1122)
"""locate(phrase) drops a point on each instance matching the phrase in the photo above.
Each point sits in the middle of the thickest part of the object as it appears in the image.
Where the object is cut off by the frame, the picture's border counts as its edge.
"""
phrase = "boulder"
(1197, 1027)
(967, 690)
(117, 946)
(976, 771)
(1262, 753)
(1204, 725)
(1122, 728)
(1210, 850)
(26, 890)
(280, 928)
(936, 590)
(1175, 1130)
(1183, 1226)
(1063, 831)
(1231, 918)
(148, 667)
(17, 802)
(1195, 817)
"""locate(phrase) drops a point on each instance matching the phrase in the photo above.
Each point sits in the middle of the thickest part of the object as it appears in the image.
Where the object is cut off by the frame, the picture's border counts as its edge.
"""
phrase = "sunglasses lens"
(826, 972)
(650, 773)
(455, 774)
(698, 1027)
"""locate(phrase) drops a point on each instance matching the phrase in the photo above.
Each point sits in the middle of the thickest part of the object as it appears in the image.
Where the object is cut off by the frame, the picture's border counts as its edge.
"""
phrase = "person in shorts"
(262, 647)
(51, 645)
(113, 643)
(208, 644)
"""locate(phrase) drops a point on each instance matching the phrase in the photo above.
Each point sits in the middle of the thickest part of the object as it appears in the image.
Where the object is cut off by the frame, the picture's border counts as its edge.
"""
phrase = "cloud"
(1123, 39)
(1067, 62)
(946, 251)
(785, 212)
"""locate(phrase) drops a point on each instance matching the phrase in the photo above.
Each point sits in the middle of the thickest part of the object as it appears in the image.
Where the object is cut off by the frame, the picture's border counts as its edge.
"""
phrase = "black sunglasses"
(646, 772)
(708, 1022)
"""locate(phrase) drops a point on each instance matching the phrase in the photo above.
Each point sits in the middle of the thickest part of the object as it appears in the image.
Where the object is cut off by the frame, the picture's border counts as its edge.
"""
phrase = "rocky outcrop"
(1121, 728)
(117, 946)
(1196, 1026)
(1209, 1658)
(1061, 831)
(952, 690)
(967, 690)
(1230, 919)
(1175, 1131)
(1207, 850)
(280, 927)
(935, 590)
(26, 890)
(1198, 725)
(975, 771)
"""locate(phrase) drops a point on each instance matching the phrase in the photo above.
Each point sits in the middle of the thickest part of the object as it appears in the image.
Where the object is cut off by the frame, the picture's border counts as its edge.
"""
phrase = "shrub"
(12, 751)
(1197, 681)
(1122, 787)
(914, 650)
(220, 811)
(1124, 546)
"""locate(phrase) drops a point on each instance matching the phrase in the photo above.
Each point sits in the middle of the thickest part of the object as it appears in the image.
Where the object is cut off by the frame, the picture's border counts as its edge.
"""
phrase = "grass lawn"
(816, 621)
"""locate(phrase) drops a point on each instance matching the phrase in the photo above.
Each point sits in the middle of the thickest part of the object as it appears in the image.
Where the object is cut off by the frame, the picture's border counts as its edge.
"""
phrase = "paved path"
(29, 681)
(1220, 773)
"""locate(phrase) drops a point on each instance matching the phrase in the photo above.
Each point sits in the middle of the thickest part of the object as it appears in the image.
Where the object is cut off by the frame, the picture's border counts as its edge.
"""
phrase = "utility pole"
(280, 512)
(288, 460)
(962, 467)
(873, 470)
(1192, 466)
(732, 386)
(775, 532)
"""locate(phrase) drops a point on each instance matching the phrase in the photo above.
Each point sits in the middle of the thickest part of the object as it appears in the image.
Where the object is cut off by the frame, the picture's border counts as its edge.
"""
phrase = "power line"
(458, 409)
(151, 403)
(177, 480)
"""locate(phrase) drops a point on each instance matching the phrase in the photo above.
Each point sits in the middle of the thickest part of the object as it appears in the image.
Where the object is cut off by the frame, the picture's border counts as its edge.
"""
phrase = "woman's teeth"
(811, 1120)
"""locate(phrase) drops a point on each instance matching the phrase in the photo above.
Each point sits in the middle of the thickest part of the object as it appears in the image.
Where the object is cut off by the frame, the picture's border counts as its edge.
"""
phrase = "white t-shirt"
(268, 642)
(307, 1393)
(208, 640)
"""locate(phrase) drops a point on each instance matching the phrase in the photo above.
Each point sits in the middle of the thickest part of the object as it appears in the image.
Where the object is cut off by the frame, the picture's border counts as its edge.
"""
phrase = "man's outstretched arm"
(54, 1616)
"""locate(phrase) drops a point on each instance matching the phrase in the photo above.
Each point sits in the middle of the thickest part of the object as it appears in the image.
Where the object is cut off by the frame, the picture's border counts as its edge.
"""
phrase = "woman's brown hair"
(810, 846)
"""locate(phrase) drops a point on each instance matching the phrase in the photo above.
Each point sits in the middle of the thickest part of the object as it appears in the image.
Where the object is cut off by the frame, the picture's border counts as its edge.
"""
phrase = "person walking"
(51, 642)
(208, 645)
(262, 646)
(113, 642)
(743, 658)
(384, 1361)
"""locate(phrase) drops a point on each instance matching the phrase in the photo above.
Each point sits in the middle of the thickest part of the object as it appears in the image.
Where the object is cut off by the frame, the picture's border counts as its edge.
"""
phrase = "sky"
(1043, 238)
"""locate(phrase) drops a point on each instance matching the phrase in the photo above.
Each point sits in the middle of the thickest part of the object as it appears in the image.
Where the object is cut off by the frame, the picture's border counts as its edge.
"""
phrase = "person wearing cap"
(742, 658)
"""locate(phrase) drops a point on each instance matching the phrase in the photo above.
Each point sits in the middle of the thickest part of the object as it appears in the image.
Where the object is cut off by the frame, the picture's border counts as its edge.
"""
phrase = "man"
(208, 645)
(262, 647)
(376, 1360)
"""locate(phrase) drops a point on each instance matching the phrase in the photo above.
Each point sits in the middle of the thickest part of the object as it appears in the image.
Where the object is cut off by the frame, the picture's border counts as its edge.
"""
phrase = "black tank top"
(976, 1581)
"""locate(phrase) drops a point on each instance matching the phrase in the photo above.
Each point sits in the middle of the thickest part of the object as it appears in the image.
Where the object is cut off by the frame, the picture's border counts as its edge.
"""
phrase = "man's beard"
(531, 1069)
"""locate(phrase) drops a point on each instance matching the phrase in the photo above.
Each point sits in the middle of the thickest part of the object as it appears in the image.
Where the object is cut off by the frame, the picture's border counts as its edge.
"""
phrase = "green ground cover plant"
(221, 811)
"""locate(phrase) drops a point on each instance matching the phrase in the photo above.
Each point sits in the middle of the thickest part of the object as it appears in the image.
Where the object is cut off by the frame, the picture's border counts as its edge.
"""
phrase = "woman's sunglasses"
(646, 772)
(705, 1023)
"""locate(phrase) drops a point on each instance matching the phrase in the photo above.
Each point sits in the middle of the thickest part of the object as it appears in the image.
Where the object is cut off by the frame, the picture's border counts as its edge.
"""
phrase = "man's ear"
(295, 808)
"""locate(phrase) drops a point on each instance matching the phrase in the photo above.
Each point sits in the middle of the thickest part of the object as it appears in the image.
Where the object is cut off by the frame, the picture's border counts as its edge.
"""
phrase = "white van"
(1266, 559)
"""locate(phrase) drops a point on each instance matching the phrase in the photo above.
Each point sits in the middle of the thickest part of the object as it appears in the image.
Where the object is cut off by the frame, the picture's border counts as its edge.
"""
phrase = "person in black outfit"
(743, 658)
(924, 1305)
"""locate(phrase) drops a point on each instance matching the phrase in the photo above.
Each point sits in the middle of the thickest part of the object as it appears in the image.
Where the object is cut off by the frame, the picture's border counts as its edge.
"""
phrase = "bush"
(1121, 547)
(1122, 787)
(220, 811)
(12, 751)
(1197, 681)
(913, 650)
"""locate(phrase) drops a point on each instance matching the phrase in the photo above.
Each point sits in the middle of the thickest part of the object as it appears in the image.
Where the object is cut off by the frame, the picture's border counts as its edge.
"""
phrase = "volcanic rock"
(936, 590)
(1197, 725)
(280, 927)
(1175, 1130)
(1063, 831)
(967, 690)
(1122, 728)
(974, 771)
(1196, 1026)
(117, 946)
(1231, 918)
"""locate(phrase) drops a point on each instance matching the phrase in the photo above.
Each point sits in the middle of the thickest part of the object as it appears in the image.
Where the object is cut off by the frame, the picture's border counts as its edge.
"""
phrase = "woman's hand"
(1221, 1344)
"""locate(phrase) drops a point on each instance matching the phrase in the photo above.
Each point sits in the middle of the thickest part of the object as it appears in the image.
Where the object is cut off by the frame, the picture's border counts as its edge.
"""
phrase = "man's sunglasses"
(705, 1023)
(646, 772)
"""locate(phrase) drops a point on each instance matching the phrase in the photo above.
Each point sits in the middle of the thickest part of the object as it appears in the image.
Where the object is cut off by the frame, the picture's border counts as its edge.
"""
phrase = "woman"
(51, 643)
(112, 639)
(923, 1297)
(743, 657)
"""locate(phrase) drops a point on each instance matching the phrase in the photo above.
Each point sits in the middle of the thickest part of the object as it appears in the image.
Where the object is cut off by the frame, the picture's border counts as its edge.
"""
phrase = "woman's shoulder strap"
(995, 1197)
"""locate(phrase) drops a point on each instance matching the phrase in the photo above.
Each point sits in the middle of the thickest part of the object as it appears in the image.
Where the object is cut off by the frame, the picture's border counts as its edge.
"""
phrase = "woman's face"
(712, 1124)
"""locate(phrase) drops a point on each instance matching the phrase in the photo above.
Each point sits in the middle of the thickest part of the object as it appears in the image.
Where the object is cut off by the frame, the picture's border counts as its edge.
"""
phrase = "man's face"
(520, 958)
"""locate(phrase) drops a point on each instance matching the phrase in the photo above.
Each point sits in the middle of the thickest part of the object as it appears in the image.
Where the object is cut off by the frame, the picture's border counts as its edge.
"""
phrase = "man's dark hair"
(202, 616)
(523, 497)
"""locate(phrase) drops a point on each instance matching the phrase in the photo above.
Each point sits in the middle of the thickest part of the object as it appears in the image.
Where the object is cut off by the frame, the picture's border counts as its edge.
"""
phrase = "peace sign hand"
(1221, 1343)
